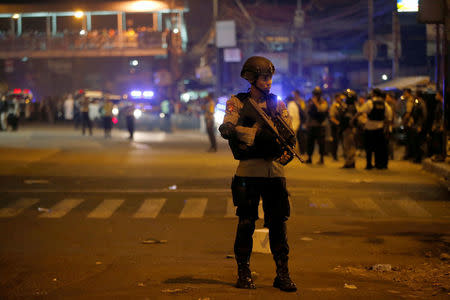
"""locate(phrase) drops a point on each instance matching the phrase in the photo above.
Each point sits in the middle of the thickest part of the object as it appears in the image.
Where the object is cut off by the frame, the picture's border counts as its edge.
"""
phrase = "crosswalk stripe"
(194, 208)
(17, 207)
(105, 209)
(412, 208)
(368, 204)
(231, 209)
(321, 203)
(150, 208)
(62, 208)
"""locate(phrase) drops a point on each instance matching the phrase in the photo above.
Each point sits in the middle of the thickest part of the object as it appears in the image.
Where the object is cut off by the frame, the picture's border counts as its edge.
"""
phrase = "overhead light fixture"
(15, 16)
(79, 14)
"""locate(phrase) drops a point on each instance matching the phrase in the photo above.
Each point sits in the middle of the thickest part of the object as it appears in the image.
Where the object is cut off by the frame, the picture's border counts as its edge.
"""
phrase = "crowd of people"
(374, 124)
(140, 37)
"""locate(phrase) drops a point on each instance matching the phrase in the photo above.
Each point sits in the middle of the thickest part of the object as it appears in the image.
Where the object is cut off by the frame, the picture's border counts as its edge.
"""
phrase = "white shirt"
(371, 124)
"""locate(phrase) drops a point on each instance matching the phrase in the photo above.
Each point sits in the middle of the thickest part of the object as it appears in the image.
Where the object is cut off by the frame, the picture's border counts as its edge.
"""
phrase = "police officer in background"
(317, 117)
(297, 112)
(407, 106)
(336, 111)
(259, 173)
(129, 116)
(84, 109)
(348, 128)
(417, 127)
(209, 107)
(375, 138)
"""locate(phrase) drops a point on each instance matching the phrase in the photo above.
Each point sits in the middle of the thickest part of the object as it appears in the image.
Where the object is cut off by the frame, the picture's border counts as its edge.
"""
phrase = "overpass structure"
(165, 24)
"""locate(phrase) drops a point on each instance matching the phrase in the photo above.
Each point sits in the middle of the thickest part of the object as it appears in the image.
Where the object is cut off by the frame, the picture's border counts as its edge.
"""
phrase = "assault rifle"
(282, 131)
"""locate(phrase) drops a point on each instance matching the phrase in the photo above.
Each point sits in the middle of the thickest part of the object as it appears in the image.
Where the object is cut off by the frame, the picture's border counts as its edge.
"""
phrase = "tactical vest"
(261, 148)
(417, 111)
(378, 110)
(347, 117)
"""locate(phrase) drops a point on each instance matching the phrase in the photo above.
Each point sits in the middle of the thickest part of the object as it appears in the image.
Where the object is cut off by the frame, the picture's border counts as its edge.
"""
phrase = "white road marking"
(321, 203)
(150, 208)
(17, 207)
(61, 208)
(194, 208)
(105, 209)
(231, 209)
(368, 204)
(412, 208)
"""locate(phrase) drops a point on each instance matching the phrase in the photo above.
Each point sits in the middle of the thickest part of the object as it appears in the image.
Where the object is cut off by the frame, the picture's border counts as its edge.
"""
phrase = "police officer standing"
(317, 117)
(297, 112)
(408, 103)
(129, 115)
(348, 122)
(209, 107)
(260, 172)
(84, 109)
(336, 111)
(418, 134)
(375, 139)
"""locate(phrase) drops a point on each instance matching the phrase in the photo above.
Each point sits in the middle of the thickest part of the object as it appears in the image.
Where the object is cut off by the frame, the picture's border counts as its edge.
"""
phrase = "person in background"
(407, 121)
(379, 114)
(107, 117)
(347, 124)
(208, 107)
(392, 102)
(3, 113)
(417, 123)
(336, 111)
(317, 117)
(129, 115)
(437, 130)
(297, 111)
(84, 109)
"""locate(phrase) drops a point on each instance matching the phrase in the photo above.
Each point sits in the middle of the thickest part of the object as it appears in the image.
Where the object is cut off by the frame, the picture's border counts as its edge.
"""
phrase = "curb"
(441, 169)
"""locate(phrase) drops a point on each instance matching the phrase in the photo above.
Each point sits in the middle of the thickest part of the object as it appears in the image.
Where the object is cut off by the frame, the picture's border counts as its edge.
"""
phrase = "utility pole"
(395, 40)
(371, 44)
(218, 90)
(299, 20)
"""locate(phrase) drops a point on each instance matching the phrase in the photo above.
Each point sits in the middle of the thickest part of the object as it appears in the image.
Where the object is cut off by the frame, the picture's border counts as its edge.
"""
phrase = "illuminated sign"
(407, 5)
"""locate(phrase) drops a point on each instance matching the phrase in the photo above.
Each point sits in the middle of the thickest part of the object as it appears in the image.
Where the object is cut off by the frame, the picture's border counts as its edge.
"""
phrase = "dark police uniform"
(259, 174)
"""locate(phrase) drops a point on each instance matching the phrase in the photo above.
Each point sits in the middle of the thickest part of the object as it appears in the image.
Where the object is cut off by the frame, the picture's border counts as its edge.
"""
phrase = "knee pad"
(246, 225)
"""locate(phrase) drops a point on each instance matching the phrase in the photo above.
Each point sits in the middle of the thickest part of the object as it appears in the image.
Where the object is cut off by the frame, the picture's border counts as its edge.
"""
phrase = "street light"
(79, 14)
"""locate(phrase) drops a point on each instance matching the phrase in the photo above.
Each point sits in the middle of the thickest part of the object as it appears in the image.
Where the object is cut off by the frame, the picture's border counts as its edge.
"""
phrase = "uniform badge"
(230, 108)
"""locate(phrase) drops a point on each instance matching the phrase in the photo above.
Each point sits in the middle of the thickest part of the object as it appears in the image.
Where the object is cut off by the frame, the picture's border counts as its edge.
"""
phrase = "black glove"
(227, 130)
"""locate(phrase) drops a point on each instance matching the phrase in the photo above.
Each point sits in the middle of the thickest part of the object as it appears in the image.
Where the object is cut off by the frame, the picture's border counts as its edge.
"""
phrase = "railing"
(77, 41)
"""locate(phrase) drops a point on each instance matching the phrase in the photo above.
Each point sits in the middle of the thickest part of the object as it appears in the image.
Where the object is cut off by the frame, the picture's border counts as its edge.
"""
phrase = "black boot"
(245, 280)
(283, 280)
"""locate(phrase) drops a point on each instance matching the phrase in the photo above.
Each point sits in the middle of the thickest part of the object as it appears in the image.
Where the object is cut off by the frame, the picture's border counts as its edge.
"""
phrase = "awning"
(400, 83)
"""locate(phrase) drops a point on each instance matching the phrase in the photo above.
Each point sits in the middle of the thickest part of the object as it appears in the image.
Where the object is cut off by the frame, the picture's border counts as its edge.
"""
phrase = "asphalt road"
(75, 210)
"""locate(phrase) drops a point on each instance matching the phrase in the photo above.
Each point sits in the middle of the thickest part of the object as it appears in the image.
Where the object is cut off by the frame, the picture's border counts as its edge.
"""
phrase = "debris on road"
(172, 187)
(54, 280)
(381, 268)
(350, 286)
(42, 209)
(175, 291)
(306, 239)
(230, 256)
(154, 241)
(444, 256)
(98, 262)
(141, 284)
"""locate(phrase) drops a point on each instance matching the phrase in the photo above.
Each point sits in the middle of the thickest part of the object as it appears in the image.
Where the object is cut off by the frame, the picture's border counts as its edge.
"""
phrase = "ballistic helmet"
(256, 66)
(350, 96)
(317, 91)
